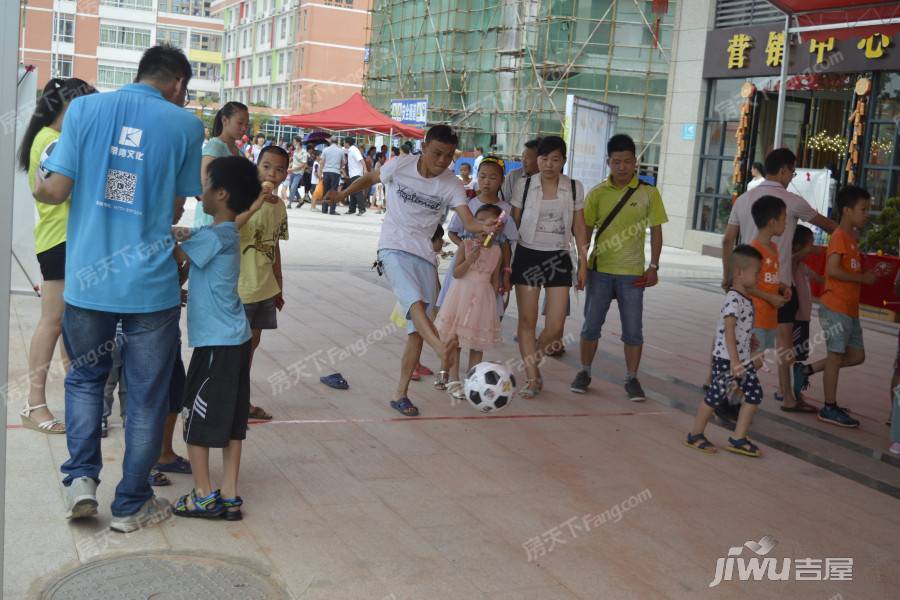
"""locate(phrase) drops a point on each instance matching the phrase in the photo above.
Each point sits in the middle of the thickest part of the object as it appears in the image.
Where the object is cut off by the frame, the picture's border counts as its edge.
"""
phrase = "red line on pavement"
(444, 418)
(459, 418)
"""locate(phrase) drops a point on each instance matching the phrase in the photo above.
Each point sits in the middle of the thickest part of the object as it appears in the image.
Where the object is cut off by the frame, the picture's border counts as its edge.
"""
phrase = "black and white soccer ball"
(42, 173)
(489, 386)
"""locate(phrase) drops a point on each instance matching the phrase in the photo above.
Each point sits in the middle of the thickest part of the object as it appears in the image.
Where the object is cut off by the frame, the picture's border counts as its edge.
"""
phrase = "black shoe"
(360, 213)
(581, 382)
(634, 390)
(350, 212)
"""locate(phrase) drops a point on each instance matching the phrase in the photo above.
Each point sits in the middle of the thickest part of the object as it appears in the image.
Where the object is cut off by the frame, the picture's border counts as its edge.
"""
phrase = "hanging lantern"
(748, 92)
(857, 121)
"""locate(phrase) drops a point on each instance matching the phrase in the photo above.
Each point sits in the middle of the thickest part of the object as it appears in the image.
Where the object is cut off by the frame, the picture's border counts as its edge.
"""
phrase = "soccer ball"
(489, 386)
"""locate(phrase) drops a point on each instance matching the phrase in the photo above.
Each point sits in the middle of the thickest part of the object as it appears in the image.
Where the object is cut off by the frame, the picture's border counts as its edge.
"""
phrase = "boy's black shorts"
(724, 384)
(217, 396)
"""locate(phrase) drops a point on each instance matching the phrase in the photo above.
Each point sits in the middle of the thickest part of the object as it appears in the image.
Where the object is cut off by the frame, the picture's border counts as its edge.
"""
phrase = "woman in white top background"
(548, 209)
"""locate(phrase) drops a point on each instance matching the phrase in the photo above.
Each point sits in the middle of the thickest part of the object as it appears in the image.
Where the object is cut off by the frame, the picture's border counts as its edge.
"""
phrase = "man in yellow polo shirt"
(616, 267)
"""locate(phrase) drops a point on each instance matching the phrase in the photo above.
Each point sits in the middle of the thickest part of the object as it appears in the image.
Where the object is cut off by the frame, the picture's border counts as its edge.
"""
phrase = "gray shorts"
(841, 331)
(261, 315)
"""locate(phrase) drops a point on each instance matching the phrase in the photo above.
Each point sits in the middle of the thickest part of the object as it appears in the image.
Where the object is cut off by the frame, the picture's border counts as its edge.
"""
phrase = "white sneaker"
(895, 448)
(81, 498)
(154, 511)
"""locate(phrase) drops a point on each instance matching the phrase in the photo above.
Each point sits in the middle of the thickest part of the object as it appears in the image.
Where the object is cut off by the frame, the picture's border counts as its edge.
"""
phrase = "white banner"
(814, 186)
(26, 273)
(589, 125)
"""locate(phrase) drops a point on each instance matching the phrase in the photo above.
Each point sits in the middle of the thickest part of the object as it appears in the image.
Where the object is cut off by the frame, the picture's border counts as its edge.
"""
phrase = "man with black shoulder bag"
(618, 212)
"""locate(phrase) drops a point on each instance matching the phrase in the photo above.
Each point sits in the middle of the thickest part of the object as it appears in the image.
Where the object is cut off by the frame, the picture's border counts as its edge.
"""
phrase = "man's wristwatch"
(654, 267)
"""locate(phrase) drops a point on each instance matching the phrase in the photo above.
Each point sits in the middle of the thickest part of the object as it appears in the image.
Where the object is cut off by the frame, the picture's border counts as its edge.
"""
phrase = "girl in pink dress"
(469, 312)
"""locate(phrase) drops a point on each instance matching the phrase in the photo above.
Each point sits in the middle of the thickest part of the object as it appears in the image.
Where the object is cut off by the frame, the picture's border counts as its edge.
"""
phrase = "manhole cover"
(158, 576)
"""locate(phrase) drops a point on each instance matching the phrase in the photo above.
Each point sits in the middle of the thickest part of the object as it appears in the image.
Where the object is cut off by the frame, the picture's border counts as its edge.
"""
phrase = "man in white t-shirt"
(780, 168)
(418, 188)
(356, 168)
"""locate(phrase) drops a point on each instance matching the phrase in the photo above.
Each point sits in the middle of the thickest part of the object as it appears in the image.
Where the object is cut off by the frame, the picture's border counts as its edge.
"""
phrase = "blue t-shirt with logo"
(130, 153)
(215, 315)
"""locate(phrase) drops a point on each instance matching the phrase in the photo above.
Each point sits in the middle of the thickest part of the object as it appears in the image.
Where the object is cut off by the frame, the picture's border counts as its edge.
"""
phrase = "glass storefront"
(816, 116)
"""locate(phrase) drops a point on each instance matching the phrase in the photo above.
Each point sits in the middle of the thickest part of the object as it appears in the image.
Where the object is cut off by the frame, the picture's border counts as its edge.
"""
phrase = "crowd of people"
(114, 264)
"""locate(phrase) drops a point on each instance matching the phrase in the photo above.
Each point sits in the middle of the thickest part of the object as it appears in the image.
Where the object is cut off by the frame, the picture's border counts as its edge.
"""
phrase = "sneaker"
(801, 379)
(581, 382)
(155, 510)
(81, 498)
(104, 427)
(634, 390)
(834, 414)
(895, 448)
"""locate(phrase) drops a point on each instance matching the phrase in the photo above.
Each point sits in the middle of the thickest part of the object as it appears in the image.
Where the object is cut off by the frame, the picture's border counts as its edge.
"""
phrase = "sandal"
(802, 407)
(744, 446)
(208, 507)
(405, 407)
(158, 478)
(335, 381)
(442, 380)
(51, 426)
(179, 465)
(532, 388)
(257, 412)
(232, 507)
(704, 446)
(456, 390)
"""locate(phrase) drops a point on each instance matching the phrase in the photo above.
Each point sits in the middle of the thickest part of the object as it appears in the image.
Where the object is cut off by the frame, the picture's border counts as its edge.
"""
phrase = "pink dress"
(470, 309)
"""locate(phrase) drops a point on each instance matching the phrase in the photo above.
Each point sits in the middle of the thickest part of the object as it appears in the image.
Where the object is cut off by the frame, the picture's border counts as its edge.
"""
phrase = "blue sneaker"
(834, 414)
(801, 379)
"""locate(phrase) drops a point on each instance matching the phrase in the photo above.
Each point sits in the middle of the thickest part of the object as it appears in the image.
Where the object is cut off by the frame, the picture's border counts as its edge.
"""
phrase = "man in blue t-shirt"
(125, 158)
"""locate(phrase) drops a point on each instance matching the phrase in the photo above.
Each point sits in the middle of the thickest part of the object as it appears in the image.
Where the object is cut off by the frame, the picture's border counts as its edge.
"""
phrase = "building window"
(112, 76)
(205, 41)
(195, 8)
(268, 65)
(130, 38)
(304, 20)
(245, 38)
(881, 163)
(284, 22)
(278, 98)
(64, 28)
(718, 146)
(205, 70)
(138, 4)
(62, 66)
(174, 37)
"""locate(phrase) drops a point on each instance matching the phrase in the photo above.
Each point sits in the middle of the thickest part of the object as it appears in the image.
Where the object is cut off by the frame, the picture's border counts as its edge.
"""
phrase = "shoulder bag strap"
(612, 215)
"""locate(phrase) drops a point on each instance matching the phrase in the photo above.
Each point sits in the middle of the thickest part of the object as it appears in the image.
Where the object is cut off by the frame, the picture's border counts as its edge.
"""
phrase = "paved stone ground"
(344, 500)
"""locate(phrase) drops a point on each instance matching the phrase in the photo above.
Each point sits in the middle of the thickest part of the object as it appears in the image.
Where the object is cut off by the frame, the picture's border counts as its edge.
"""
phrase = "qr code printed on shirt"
(120, 186)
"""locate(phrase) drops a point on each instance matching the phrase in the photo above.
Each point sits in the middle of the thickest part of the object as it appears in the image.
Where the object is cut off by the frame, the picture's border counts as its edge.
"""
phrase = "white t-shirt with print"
(417, 205)
(741, 308)
(354, 162)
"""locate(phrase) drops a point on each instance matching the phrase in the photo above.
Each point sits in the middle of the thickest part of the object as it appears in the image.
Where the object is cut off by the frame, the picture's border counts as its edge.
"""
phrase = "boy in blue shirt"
(217, 391)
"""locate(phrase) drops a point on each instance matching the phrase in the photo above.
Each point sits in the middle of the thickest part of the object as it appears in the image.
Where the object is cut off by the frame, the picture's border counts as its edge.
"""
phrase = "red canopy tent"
(354, 115)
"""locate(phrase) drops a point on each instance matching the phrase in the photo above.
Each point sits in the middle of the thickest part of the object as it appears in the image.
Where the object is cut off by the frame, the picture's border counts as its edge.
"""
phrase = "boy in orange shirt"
(770, 216)
(839, 309)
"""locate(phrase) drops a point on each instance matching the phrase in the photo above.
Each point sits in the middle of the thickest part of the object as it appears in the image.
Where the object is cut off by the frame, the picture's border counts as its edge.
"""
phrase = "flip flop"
(158, 479)
(405, 407)
(259, 413)
(802, 407)
(179, 465)
(335, 381)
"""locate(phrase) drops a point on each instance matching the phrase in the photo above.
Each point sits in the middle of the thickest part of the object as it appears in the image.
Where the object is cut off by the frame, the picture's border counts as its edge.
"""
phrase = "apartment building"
(294, 55)
(101, 41)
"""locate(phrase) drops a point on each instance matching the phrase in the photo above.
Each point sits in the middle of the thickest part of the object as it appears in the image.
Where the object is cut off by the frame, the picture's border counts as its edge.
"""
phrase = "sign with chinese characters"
(757, 51)
(410, 112)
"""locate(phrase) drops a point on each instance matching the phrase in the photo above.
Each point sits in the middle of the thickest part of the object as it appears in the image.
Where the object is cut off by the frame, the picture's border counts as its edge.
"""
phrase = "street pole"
(782, 92)
(9, 55)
